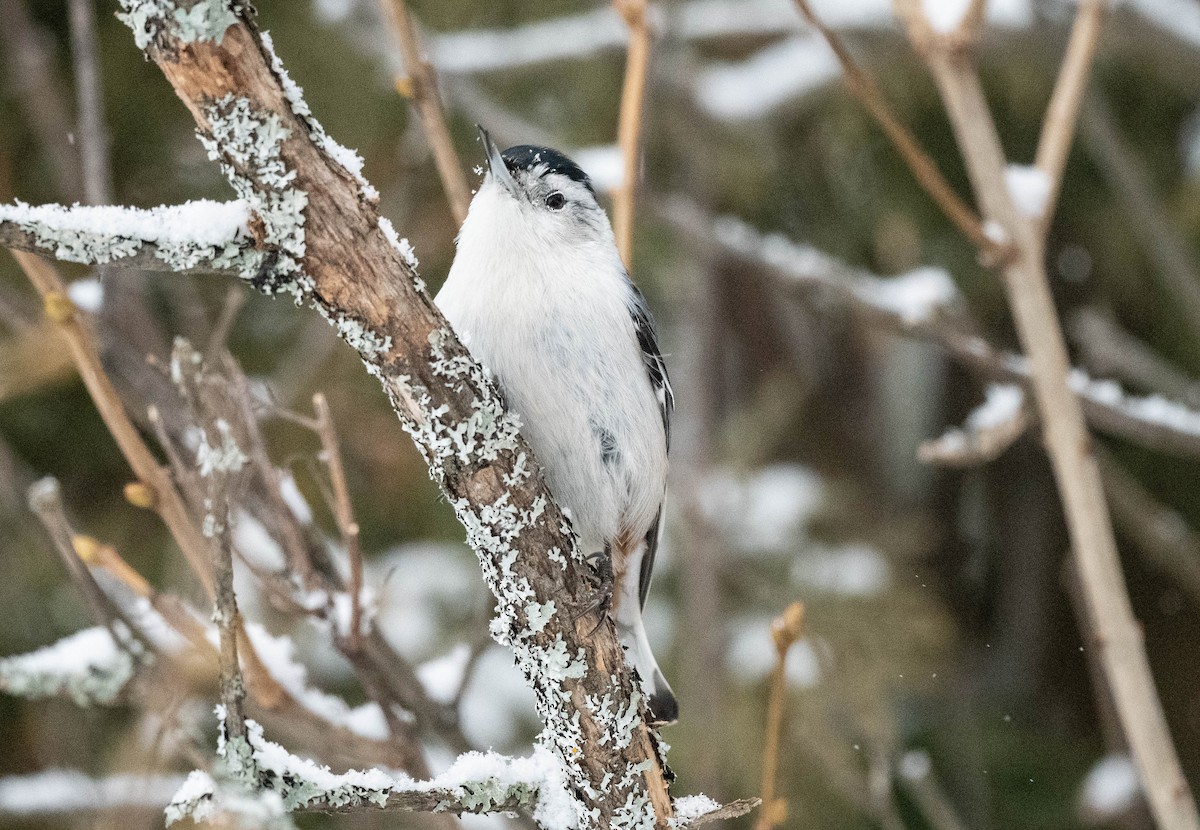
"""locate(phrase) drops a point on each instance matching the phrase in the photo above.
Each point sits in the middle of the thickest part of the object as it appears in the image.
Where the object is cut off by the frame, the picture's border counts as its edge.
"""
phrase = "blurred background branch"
(822, 319)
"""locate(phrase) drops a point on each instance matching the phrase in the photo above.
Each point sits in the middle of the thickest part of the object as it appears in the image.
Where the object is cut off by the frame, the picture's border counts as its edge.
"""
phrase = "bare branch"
(1160, 533)
(1058, 127)
(1067, 441)
(1108, 349)
(45, 500)
(92, 133)
(428, 103)
(864, 87)
(344, 512)
(1127, 176)
(786, 629)
(164, 498)
(630, 119)
(35, 84)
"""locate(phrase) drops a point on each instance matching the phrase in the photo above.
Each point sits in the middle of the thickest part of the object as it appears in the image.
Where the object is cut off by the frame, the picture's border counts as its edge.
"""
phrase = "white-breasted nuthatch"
(540, 296)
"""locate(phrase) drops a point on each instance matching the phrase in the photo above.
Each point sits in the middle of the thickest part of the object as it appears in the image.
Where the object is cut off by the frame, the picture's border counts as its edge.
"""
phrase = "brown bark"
(358, 278)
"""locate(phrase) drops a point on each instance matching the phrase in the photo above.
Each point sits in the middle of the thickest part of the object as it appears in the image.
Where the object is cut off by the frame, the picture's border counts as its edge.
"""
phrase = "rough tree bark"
(319, 237)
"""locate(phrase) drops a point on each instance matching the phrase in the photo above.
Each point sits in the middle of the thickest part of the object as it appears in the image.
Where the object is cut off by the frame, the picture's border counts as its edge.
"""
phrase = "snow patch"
(88, 666)
(774, 75)
(604, 165)
(916, 296)
(853, 570)
(1110, 787)
(87, 294)
(1029, 187)
(278, 655)
(945, 16)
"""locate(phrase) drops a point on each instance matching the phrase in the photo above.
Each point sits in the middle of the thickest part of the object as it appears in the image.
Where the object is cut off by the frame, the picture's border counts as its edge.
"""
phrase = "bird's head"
(539, 194)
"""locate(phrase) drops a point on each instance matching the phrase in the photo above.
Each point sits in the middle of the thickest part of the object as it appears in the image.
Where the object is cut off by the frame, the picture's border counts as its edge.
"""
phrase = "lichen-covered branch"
(477, 782)
(200, 236)
(323, 241)
(262, 777)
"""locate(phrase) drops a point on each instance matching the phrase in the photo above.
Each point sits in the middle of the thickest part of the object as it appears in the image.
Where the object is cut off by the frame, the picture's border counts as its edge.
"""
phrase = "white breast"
(552, 323)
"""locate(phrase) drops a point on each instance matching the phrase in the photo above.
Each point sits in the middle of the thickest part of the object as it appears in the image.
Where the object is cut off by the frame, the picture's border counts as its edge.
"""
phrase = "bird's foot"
(601, 599)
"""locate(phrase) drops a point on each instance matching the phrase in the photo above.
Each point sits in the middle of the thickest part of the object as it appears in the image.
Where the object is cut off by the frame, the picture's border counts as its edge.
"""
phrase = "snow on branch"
(88, 667)
(316, 225)
(924, 304)
(989, 430)
(200, 236)
(912, 299)
(256, 769)
(259, 779)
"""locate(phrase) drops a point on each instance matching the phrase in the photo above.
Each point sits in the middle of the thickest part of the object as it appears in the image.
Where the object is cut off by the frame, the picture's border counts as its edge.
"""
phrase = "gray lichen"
(248, 144)
(205, 20)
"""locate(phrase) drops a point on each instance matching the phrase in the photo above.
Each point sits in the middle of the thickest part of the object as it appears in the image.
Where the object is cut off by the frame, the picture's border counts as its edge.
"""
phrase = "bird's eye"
(555, 201)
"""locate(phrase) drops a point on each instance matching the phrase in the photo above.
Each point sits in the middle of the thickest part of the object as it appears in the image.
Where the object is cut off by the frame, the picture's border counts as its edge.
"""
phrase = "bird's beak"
(496, 165)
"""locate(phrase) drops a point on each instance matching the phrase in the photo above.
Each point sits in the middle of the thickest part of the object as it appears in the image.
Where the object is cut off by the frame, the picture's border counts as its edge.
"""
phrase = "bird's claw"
(601, 601)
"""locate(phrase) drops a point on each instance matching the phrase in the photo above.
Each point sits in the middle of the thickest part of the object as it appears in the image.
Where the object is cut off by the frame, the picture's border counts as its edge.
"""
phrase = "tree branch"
(867, 91)
(160, 492)
(832, 287)
(93, 136)
(427, 101)
(989, 430)
(1062, 115)
(630, 120)
(1127, 176)
(316, 222)
(1067, 441)
(196, 237)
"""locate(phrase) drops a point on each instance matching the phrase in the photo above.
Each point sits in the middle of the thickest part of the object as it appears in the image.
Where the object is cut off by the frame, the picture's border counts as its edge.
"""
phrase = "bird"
(540, 296)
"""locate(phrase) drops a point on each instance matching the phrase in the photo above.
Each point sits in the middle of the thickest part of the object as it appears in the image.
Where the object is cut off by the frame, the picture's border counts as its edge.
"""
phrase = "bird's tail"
(664, 708)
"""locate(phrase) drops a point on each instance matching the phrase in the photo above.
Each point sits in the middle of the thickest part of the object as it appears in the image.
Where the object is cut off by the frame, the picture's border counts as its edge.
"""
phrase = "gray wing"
(656, 368)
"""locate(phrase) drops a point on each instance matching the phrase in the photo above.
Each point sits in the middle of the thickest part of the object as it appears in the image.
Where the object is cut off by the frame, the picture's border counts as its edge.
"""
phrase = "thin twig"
(630, 120)
(428, 103)
(92, 135)
(235, 298)
(867, 91)
(1067, 440)
(1160, 533)
(915, 775)
(45, 500)
(343, 510)
(164, 497)
(786, 629)
(1108, 349)
(31, 75)
(1129, 179)
(980, 440)
(1062, 115)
